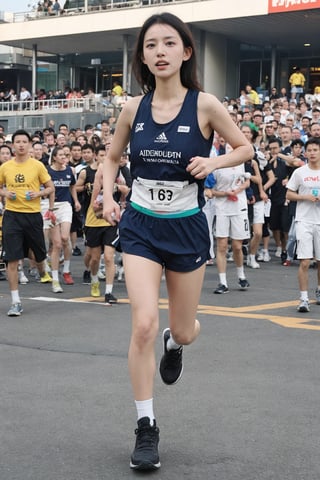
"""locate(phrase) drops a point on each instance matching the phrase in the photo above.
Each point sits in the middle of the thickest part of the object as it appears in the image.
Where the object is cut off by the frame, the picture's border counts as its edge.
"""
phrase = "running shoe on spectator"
(303, 306)
(15, 310)
(67, 278)
(243, 283)
(86, 279)
(56, 287)
(109, 298)
(95, 289)
(45, 278)
(23, 280)
(221, 289)
(76, 252)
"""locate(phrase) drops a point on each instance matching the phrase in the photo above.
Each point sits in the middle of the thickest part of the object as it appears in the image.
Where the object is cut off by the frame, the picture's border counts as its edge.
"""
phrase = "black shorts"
(77, 221)
(101, 236)
(279, 218)
(21, 232)
(179, 244)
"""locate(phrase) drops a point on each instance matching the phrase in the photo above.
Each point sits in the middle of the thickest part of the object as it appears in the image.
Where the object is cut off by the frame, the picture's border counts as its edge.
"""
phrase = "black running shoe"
(221, 289)
(145, 455)
(171, 366)
(243, 283)
(109, 298)
(283, 256)
(76, 252)
(86, 280)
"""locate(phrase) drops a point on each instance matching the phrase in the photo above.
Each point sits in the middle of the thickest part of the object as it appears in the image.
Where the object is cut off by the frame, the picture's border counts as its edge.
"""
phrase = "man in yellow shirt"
(297, 81)
(22, 227)
(252, 96)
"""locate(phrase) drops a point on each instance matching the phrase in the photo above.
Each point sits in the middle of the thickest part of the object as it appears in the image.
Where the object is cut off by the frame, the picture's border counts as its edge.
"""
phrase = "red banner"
(276, 6)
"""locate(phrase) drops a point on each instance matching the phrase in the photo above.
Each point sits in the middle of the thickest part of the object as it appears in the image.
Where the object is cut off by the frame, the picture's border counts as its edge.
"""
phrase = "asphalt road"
(247, 407)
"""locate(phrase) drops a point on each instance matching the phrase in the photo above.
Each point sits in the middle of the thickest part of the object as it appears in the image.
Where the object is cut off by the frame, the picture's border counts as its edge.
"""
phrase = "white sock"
(109, 288)
(94, 279)
(66, 266)
(223, 279)
(252, 258)
(145, 409)
(240, 272)
(171, 344)
(304, 295)
(55, 275)
(15, 296)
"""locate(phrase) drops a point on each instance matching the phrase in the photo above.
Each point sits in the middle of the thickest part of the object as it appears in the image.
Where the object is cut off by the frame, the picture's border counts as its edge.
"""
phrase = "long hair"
(188, 71)
(54, 153)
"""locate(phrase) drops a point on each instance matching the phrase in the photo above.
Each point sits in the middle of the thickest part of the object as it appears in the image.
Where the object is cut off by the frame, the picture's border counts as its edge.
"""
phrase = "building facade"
(90, 44)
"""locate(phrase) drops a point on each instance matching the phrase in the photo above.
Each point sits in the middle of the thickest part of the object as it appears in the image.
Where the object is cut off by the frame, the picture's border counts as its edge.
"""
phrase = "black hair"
(188, 70)
(297, 142)
(87, 146)
(21, 132)
(75, 144)
(275, 140)
(312, 141)
(100, 148)
(55, 151)
(6, 146)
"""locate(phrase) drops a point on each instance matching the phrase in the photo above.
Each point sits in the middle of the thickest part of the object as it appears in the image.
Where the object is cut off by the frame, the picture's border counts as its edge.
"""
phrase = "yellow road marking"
(250, 311)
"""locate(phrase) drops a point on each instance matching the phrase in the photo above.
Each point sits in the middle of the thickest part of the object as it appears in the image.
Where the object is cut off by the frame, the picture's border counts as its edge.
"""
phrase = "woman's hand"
(200, 167)
(111, 213)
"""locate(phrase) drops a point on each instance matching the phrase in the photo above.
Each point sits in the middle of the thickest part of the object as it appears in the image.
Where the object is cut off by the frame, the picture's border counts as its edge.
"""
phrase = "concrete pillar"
(125, 80)
(273, 66)
(34, 70)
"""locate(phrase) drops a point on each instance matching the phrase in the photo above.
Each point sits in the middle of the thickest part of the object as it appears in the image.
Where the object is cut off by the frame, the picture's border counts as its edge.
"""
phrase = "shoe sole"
(145, 466)
(15, 314)
(303, 310)
(221, 293)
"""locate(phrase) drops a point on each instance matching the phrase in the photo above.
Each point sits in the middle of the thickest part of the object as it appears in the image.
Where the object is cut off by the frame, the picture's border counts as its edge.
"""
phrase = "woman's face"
(5, 155)
(60, 158)
(164, 51)
(247, 132)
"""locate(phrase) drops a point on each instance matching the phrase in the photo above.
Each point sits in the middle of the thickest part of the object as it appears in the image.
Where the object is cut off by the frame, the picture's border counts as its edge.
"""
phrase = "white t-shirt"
(229, 179)
(306, 181)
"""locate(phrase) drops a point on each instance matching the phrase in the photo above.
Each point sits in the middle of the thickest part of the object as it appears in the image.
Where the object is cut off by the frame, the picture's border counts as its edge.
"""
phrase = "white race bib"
(164, 196)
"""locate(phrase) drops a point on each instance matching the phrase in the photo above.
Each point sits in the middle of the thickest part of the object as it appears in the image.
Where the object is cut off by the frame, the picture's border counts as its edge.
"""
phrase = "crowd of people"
(181, 178)
(71, 158)
(69, 97)
(277, 128)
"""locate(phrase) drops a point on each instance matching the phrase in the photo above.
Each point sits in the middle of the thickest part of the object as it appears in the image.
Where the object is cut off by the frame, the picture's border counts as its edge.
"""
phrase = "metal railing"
(103, 5)
(23, 107)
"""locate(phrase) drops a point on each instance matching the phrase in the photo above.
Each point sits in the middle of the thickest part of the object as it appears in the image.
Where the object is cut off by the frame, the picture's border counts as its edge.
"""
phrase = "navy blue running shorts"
(178, 244)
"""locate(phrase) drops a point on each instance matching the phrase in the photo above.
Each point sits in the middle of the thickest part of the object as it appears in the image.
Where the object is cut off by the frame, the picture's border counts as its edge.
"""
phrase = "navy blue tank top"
(163, 151)
(62, 180)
